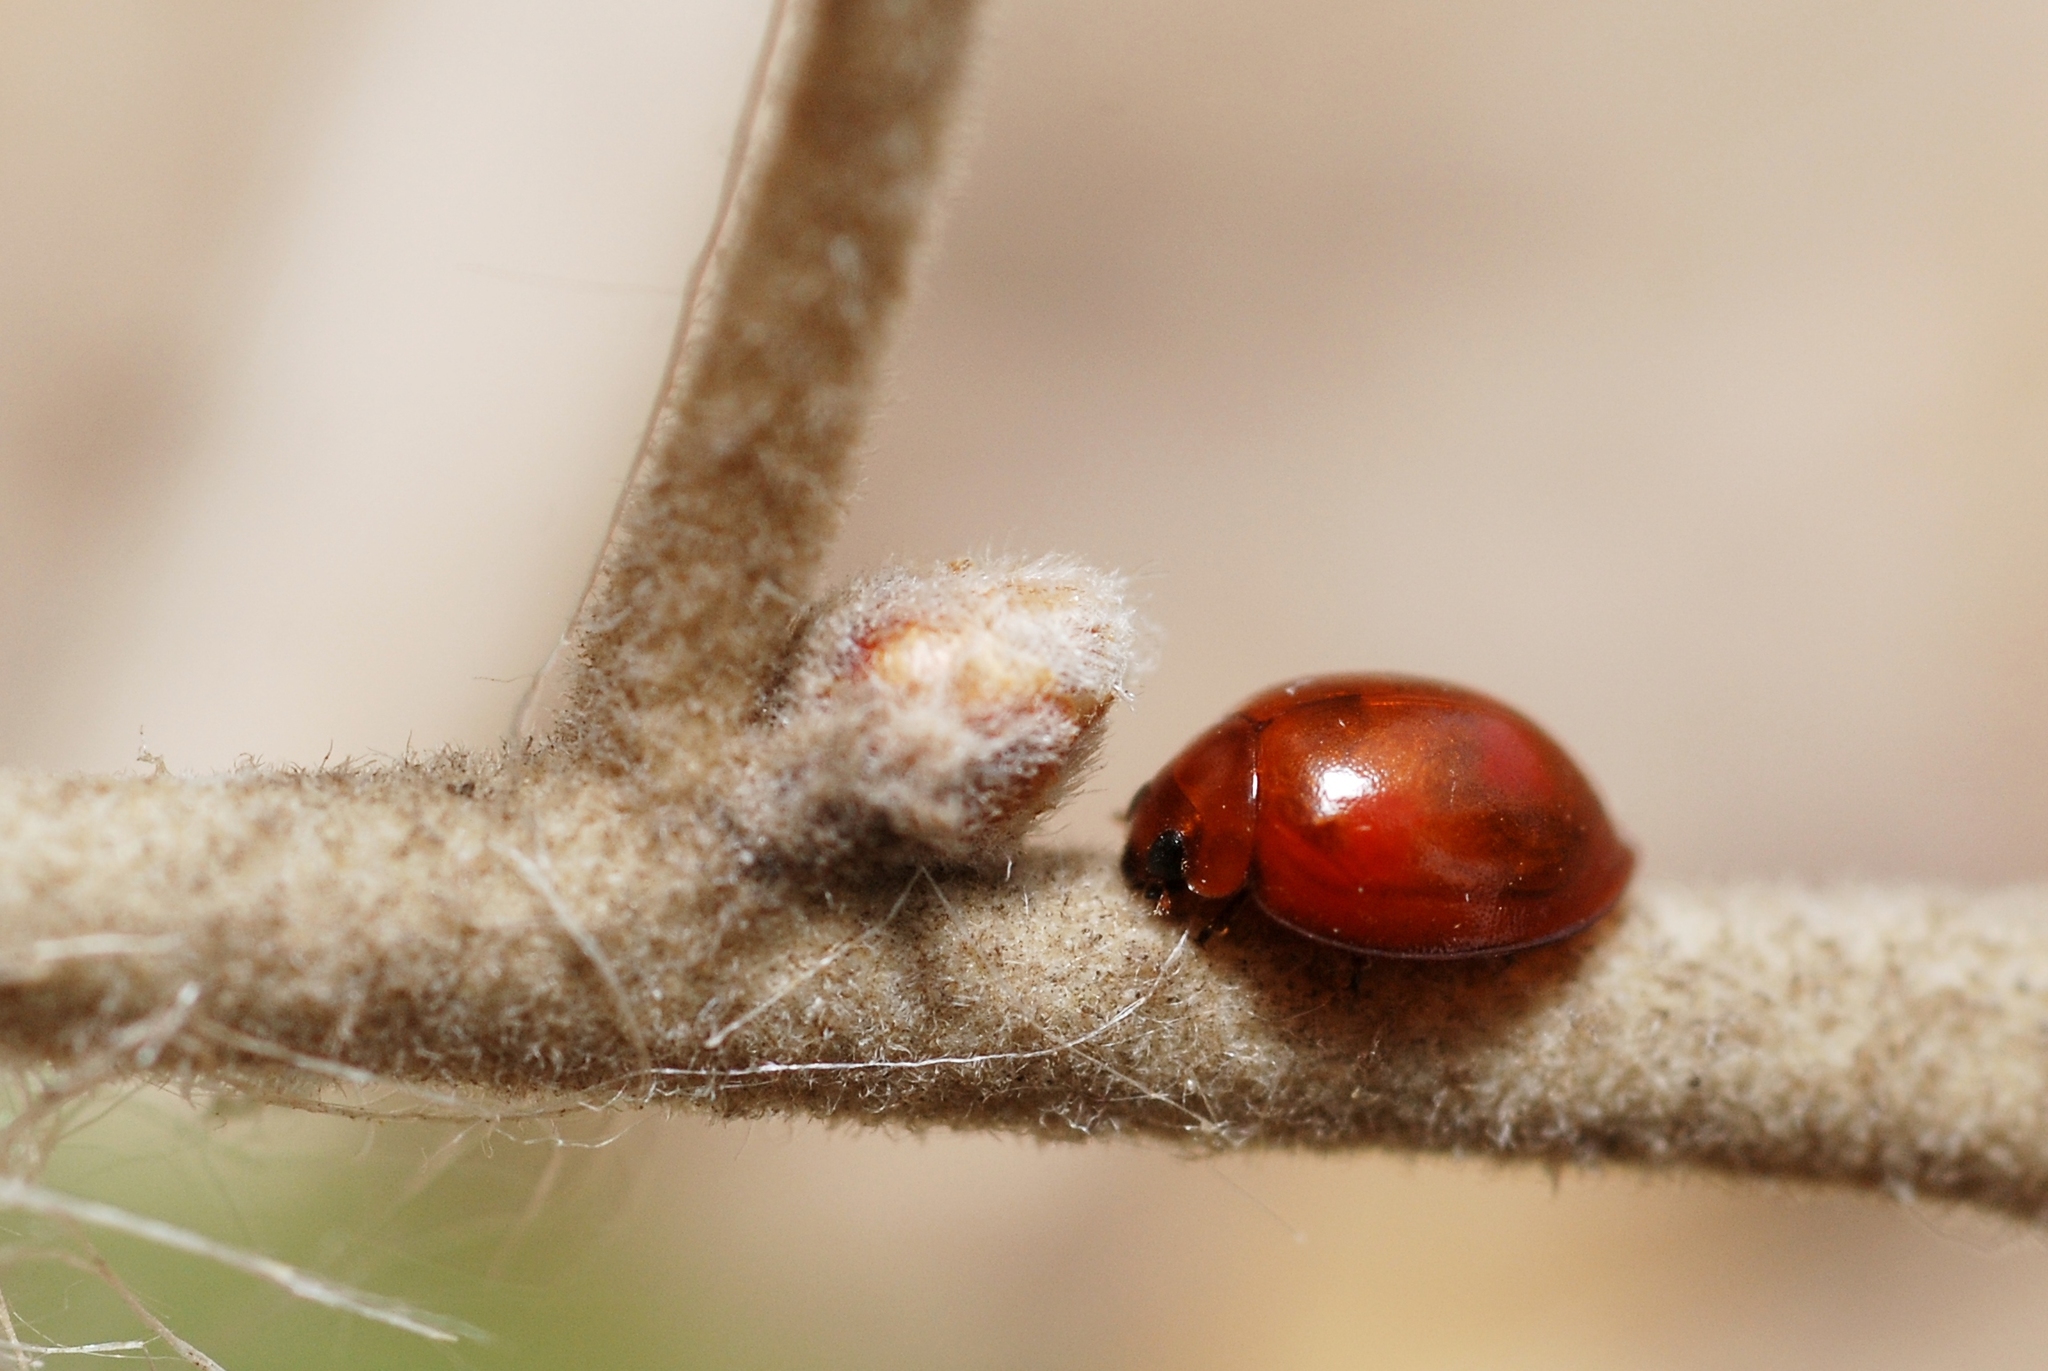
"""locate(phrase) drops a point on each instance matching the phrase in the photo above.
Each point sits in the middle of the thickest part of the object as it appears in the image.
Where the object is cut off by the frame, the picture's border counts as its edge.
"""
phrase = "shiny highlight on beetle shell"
(1383, 814)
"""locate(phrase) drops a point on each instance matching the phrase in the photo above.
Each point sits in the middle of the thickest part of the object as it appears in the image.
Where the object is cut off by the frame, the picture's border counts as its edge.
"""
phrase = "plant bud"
(933, 716)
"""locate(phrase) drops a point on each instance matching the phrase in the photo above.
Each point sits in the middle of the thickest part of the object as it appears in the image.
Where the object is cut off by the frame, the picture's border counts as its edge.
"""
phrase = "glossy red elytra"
(1383, 814)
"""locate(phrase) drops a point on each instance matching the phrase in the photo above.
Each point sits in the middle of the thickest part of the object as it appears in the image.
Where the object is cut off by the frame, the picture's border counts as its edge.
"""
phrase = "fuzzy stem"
(741, 478)
(525, 936)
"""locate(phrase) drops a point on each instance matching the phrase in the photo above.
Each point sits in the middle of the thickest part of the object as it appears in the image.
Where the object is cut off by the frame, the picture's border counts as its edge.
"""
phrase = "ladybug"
(1384, 814)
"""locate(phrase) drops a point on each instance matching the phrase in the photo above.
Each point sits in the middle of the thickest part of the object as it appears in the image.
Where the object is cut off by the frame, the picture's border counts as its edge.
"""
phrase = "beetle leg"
(1220, 913)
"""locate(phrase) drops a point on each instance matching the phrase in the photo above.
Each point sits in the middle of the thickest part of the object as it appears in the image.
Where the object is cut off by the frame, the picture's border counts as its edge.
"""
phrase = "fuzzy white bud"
(935, 715)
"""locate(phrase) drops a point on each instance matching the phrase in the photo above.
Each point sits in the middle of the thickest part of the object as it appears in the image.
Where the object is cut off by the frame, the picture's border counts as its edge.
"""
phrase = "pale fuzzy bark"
(584, 917)
(745, 468)
(517, 937)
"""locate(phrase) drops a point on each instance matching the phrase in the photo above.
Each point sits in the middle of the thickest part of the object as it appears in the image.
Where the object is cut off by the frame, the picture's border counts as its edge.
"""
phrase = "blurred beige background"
(1677, 371)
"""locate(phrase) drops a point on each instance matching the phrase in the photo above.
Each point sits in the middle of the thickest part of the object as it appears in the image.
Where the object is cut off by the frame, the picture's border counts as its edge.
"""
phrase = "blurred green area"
(515, 1230)
(673, 1242)
(506, 1229)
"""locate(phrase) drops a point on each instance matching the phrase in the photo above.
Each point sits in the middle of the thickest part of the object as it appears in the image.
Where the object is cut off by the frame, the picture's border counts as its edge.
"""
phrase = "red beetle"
(1383, 814)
